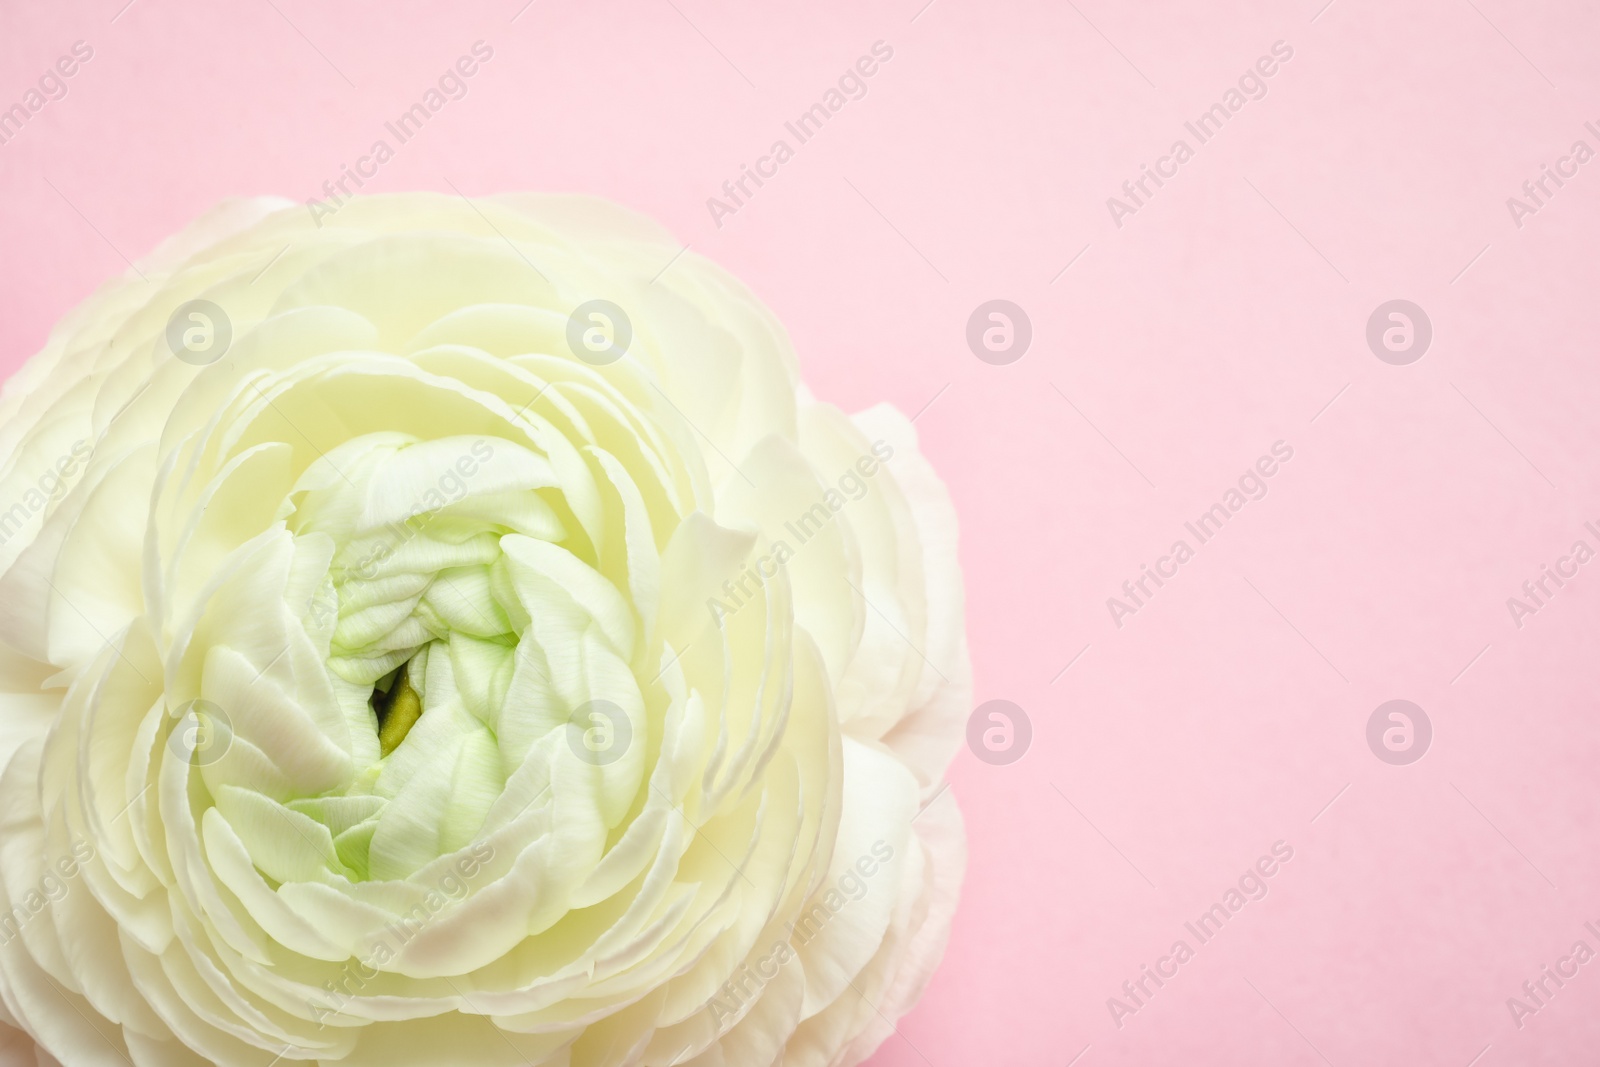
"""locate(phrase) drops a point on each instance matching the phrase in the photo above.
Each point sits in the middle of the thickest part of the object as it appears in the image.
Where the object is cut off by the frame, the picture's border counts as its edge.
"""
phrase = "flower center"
(468, 638)
(398, 707)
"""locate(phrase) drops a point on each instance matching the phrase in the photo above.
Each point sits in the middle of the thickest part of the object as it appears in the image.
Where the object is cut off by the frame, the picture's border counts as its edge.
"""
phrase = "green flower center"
(398, 707)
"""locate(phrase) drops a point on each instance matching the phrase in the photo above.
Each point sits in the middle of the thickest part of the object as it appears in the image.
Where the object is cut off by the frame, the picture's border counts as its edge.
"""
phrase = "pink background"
(1223, 316)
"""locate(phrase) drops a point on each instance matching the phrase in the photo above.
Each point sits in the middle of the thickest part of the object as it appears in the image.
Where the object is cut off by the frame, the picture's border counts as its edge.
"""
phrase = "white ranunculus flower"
(446, 632)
